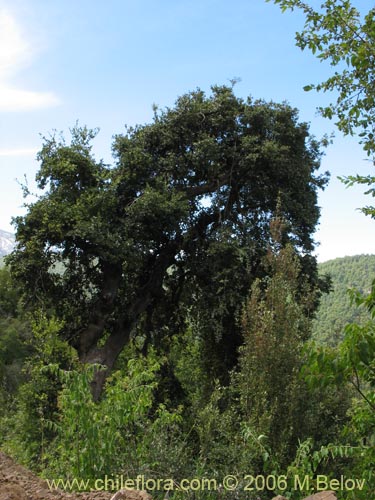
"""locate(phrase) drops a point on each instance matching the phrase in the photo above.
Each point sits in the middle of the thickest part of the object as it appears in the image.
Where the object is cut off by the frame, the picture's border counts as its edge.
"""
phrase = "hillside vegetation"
(335, 309)
(156, 315)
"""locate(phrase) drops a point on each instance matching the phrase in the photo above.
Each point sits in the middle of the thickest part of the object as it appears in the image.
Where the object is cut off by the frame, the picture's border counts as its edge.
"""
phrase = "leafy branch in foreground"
(338, 33)
(352, 363)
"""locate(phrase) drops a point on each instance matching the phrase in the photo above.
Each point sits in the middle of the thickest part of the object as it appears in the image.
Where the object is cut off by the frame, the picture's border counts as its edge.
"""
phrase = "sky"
(105, 63)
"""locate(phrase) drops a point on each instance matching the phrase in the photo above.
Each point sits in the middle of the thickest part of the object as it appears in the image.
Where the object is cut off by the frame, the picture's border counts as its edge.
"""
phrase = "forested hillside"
(335, 309)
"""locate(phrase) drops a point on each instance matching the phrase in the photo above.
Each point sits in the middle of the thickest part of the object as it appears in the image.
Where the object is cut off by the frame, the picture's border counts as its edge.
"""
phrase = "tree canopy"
(179, 222)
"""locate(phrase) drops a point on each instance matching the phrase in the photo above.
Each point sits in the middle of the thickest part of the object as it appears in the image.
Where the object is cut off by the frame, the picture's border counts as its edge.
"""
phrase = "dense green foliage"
(352, 364)
(335, 309)
(212, 431)
(179, 223)
(276, 327)
(14, 336)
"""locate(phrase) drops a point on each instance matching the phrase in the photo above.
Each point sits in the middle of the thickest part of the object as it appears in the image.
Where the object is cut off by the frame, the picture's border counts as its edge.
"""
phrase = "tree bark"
(107, 354)
(102, 308)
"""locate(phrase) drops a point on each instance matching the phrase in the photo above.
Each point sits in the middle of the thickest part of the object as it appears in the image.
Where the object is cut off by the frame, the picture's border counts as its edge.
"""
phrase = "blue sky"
(105, 63)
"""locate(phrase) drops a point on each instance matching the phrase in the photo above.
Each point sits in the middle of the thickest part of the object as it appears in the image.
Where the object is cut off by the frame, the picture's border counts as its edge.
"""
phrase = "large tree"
(179, 223)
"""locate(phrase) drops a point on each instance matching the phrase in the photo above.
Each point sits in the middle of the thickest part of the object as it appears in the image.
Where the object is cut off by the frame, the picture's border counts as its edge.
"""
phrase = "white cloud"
(19, 152)
(12, 99)
(16, 52)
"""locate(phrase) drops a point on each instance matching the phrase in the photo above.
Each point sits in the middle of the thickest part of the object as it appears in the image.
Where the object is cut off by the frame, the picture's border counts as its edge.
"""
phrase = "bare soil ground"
(18, 483)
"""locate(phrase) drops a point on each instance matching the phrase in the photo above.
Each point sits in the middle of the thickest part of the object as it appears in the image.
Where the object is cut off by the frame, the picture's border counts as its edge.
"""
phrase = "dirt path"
(18, 483)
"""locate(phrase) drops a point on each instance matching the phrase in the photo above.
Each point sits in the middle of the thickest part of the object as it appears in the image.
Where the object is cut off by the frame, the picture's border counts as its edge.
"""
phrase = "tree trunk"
(106, 356)
(103, 307)
(120, 336)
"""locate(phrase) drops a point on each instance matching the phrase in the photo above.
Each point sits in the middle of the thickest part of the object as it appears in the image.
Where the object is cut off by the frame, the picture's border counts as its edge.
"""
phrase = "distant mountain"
(7, 241)
(335, 310)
